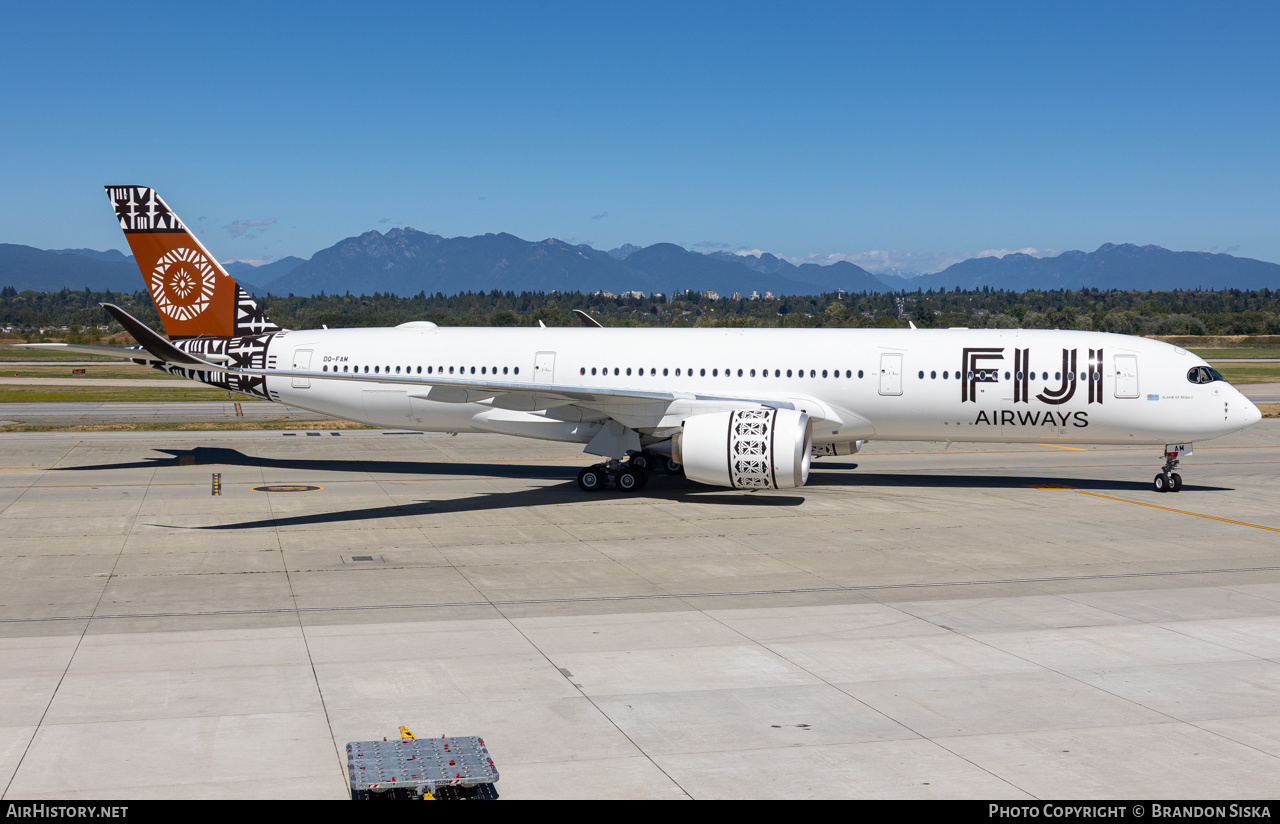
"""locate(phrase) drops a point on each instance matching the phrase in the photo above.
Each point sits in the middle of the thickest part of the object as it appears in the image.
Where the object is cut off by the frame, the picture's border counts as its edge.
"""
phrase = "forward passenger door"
(1126, 376)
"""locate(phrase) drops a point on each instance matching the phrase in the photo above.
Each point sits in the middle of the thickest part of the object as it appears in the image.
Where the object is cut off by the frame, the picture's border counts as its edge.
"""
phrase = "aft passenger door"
(891, 374)
(1126, 376)
(302, 363)
(544, 367)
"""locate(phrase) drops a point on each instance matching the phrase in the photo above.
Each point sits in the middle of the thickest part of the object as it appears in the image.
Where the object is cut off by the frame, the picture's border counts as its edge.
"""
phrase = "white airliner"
(740, 408)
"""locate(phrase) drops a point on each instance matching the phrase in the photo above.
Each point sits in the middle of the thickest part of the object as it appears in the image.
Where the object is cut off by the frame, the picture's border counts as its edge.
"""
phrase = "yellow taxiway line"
(1179, 511)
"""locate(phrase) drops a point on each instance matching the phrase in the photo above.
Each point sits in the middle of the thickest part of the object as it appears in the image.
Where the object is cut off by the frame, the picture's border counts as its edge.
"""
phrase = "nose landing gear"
(1168, 480)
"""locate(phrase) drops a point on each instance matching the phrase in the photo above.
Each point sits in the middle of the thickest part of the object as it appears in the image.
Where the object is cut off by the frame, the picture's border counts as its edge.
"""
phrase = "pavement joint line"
(1179, 511)
(80, 640)
(650, 597)
(1056, 446)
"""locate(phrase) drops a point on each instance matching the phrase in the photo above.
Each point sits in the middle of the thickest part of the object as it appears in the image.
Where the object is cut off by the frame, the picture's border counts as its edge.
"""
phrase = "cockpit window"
(1204, 374)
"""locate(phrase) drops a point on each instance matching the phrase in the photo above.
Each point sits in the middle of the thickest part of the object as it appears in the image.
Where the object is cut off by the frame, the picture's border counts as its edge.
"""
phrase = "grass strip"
(196, 426)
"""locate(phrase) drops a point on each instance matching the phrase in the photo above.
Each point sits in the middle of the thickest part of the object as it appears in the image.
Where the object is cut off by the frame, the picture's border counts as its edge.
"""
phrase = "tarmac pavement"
(988, 621)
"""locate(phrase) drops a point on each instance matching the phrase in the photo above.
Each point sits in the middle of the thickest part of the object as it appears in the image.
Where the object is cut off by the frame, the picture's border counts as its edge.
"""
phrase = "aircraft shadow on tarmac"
(924, 481)
(218, 456)
(668, 489)
(662, 487)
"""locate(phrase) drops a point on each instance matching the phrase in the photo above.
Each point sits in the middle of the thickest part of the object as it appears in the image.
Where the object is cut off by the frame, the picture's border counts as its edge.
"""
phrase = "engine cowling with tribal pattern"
(747, 448)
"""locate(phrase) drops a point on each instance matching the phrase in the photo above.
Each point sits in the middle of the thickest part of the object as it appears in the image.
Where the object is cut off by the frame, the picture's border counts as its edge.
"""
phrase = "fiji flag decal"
(1153, 397)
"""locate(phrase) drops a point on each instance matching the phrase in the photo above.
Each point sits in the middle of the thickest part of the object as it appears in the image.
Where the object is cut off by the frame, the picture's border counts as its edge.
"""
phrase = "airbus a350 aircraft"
(740, 408)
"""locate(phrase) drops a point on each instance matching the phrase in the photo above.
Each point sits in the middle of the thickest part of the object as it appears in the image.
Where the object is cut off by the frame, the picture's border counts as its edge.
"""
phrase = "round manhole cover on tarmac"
(287, 488)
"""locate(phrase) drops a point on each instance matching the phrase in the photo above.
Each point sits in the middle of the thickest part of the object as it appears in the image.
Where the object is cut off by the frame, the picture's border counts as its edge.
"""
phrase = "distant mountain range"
(406, 262)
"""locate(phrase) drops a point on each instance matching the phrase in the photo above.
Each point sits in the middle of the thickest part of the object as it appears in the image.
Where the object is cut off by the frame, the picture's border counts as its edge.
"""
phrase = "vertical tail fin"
(193, 293)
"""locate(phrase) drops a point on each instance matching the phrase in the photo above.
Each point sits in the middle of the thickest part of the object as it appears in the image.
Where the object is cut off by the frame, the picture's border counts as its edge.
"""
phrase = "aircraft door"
(1126, 376)
(302, 362)
(891, 374)
(544, 366)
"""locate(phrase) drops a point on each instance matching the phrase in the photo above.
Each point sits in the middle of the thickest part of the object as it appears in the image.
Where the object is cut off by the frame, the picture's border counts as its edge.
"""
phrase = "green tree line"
(1225, 312)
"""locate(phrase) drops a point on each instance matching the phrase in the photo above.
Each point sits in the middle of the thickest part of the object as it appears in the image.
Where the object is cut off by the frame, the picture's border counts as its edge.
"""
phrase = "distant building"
(636, 295)
(754, 295)
(711, 294)
(603, 293)
(768, 295)
(736, 296)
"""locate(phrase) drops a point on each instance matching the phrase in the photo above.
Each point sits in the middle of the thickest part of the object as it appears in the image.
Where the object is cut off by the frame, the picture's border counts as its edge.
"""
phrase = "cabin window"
(664, 371)
(1057, 376)
(740, 372)
(1006, 376)
(582, 371)
(616, 370)
(504, 371)
(517, 370)
(859, 373)
(702, 372)
(593, 370)
(921, 374)
(1019, 376)
(813, 373)
(628, 371)
(788, 373)
(971, 376)
(753, 373)
(933, 376)
(946, 375)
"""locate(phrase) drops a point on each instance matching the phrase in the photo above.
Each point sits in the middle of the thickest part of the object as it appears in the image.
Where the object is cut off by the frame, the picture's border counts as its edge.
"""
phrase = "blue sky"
(805, 129)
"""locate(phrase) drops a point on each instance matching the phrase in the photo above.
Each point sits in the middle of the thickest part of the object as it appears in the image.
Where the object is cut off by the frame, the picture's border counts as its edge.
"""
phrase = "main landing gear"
(1168, 480)
(629, 476)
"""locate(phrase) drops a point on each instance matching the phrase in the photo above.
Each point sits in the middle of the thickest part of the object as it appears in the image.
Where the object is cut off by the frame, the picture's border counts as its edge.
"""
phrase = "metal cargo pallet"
(442, 768)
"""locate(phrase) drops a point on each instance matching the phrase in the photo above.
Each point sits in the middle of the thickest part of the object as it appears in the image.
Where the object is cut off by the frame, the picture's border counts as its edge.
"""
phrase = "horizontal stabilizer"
(108, 351)
(153, 343)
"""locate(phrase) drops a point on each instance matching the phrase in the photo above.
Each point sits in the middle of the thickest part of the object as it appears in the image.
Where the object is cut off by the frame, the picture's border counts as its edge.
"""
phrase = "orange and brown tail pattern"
(192, 292)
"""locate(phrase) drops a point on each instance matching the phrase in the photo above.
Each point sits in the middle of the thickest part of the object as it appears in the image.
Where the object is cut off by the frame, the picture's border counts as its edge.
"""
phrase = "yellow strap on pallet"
(404, 733)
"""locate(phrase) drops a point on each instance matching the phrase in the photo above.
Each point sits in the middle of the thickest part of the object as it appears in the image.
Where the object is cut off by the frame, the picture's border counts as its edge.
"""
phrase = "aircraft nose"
(1252, 414)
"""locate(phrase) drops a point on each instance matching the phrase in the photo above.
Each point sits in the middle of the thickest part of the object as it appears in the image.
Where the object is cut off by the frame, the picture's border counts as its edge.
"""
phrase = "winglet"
(586, 319)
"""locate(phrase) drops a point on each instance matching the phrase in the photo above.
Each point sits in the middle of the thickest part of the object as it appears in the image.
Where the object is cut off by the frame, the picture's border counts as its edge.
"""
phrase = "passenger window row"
(431, 370)
(715, 373)
(994, 375)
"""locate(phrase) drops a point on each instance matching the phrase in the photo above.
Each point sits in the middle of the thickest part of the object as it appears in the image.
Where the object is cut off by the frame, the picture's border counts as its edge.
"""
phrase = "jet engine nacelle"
(746, 448)
(825, 450)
